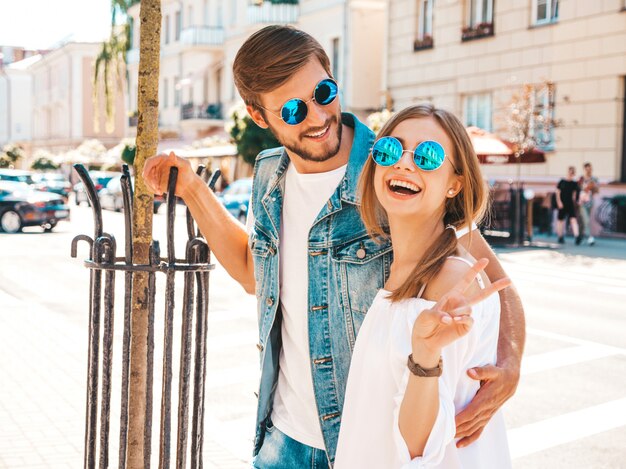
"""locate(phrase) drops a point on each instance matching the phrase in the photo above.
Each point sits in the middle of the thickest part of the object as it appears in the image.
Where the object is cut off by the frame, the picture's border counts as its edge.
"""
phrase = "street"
(569, 410)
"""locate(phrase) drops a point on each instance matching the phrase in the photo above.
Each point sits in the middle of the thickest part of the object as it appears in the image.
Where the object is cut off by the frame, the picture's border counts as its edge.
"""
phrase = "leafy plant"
(10, 154)
(249, 138)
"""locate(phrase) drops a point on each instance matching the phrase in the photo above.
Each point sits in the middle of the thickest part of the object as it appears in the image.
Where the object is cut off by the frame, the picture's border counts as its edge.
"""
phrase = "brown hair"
(270, 57)
(469, 205)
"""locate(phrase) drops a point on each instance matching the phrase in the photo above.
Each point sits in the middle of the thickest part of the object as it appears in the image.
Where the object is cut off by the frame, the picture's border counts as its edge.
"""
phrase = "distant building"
(16, 99)
(62, 100)
(468, 56)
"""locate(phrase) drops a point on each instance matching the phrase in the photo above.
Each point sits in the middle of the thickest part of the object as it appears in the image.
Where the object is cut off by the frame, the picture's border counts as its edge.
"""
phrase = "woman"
(408, 377)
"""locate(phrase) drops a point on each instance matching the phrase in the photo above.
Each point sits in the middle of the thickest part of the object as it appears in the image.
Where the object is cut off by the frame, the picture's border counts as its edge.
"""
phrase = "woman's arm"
(433, 329)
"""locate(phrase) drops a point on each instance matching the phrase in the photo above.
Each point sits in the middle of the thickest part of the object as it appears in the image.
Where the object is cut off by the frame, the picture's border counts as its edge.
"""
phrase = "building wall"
(63, 108)
(583, 53)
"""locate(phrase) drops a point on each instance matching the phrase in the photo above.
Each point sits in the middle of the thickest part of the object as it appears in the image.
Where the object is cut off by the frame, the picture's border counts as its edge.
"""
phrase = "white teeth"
(396, 183)
(318, 134)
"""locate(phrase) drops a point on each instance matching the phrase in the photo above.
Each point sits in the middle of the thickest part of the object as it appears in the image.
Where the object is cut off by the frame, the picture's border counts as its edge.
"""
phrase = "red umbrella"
(491, 149)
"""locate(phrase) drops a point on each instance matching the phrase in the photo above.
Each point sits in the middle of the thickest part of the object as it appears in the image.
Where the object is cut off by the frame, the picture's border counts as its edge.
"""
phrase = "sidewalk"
(42, 393)
(605, 248)
(43, 368)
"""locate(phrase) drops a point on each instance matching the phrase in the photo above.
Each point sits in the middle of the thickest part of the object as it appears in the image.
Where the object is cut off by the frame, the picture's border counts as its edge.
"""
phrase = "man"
(307, 255)
(567, 201)
(589, 186)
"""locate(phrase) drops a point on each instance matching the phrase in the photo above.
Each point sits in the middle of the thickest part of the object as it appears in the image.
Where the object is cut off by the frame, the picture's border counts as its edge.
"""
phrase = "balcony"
(202, 36)
(207, 111)
(426, 42)
(273, 13)
(477, 31)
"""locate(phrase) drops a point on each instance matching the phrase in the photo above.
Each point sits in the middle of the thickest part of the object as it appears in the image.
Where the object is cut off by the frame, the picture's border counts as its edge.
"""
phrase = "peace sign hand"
(450, 318)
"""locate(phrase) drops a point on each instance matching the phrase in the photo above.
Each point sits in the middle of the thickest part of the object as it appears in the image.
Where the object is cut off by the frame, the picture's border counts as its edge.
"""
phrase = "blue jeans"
(281, 452)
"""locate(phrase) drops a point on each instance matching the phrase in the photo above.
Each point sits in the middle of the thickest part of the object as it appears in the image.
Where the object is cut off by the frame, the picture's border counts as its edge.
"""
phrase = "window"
(545, 11)
(177, 91)
(219, 15)
(478, 20)
(424, 39)
(233, 12)
(205, 13)
(165, 94)
(479, 12)
(544, 116)
(166, 27)
(335, 58)
(178, 25)
(477, 111)
(189, 16)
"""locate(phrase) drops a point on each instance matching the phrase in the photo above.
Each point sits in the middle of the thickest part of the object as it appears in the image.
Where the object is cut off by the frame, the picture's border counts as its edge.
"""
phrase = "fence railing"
(104, 264)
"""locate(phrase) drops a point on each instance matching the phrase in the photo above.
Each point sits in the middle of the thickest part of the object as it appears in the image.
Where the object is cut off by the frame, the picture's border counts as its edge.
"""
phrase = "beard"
(299, 148)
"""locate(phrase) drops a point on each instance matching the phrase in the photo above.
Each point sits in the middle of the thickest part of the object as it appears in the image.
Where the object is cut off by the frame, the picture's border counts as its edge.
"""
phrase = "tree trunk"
(139, 418)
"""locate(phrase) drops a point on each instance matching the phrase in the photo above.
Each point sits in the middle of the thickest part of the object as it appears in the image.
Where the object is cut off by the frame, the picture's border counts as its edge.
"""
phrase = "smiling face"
(318, 137)
(403, 190)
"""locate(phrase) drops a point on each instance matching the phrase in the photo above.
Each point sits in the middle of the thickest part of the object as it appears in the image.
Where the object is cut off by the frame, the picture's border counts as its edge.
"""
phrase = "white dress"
(370, 437)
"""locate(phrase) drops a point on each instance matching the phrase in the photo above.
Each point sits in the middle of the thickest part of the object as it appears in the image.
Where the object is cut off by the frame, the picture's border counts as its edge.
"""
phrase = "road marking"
(564, 357)
(572, 340)
(572, 426)
(560, 275)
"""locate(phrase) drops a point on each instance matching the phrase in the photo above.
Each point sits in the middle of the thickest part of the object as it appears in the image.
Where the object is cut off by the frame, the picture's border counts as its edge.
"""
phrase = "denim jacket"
(346, 269)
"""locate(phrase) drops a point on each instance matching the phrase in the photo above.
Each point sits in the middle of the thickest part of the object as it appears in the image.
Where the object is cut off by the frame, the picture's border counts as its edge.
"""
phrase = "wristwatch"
(418, 370)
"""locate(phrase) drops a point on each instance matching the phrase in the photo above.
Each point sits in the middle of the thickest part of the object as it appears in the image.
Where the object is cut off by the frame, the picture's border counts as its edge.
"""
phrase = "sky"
(39, 24)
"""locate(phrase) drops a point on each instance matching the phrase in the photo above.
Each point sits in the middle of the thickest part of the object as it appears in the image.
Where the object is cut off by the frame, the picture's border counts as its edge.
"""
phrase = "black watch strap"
(418, 370)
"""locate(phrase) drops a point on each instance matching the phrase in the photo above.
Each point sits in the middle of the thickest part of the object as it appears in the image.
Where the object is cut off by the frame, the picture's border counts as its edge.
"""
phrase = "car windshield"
(27, 178)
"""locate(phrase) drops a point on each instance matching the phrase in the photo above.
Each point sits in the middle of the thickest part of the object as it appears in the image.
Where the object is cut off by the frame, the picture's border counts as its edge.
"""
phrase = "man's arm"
(498, 383)
(227, 237)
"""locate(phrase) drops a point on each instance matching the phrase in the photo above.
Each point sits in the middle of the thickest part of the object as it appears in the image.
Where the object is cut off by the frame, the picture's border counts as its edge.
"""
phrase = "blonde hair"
(469, 205)
(270, 57)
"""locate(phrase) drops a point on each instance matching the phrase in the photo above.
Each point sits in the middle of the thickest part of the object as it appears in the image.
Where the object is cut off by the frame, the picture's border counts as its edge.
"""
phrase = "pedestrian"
(567, 191)
(307, 256)
(422, 182)
(589, 186)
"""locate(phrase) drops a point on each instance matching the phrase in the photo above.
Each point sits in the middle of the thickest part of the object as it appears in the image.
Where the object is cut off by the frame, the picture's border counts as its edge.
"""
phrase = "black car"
(100, 180)
(52, 182)
(22, 206)
(17, 175)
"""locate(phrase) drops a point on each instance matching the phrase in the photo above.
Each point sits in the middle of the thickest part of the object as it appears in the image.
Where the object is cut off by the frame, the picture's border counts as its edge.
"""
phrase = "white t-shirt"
(295, 411)
(370, 438)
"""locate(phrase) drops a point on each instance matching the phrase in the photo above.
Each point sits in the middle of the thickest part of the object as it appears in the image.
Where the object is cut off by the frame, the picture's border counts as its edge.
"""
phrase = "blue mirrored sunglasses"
(295, 110)
(428, 155)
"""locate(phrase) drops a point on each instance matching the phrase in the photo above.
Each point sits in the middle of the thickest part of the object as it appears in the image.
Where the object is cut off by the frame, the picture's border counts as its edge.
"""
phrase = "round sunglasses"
(295, 110)
(428, 155)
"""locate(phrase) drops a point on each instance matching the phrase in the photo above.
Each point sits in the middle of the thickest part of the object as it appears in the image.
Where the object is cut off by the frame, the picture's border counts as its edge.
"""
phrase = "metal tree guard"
(103, 260)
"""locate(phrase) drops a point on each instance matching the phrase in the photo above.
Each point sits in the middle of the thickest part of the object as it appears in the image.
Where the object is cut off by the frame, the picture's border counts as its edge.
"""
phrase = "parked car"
(236, 198)
(100, 180)
(111, 197)
(22, 206)
(52, 182)
(17, 175)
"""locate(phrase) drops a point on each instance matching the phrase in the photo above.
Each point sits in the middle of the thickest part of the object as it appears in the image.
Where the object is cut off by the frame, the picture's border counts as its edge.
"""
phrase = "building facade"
(472, 56)
(63, 109)
(16, 91)
(200, 39)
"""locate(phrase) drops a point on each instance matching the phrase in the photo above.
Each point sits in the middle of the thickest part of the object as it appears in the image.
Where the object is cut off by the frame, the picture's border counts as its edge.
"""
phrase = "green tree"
(10, 154)
(43, 164)
(249, 138)
(110, 64)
